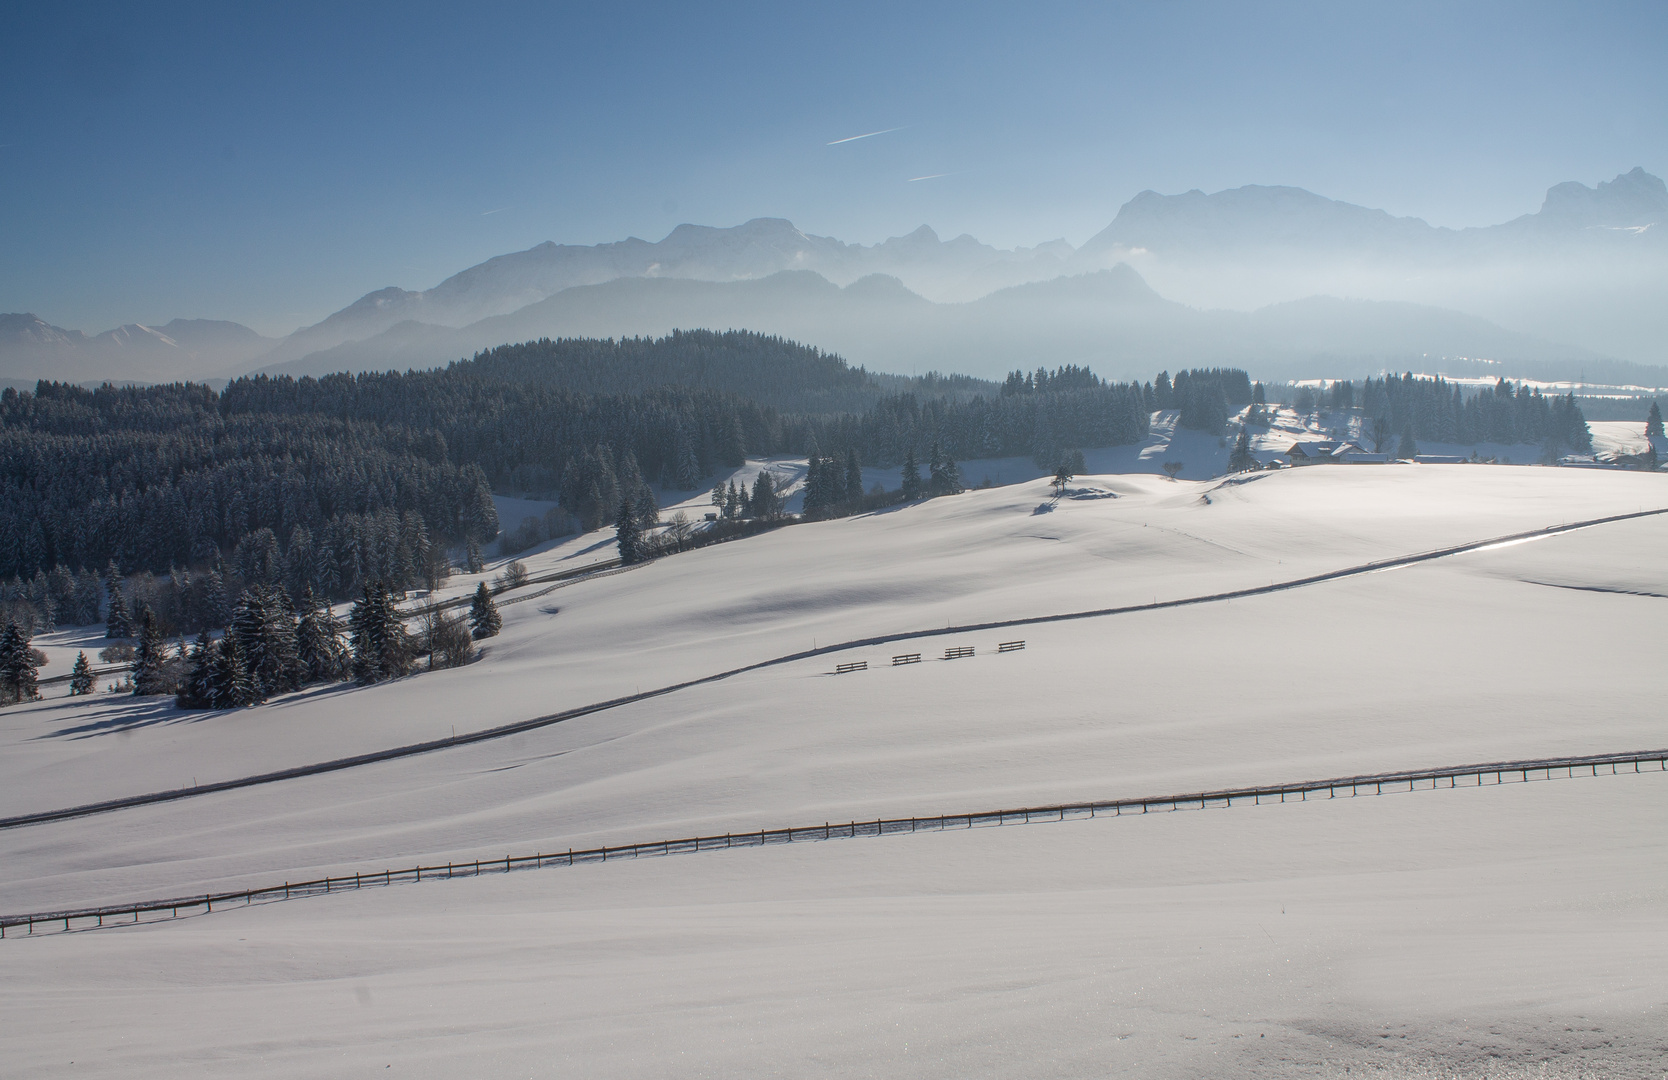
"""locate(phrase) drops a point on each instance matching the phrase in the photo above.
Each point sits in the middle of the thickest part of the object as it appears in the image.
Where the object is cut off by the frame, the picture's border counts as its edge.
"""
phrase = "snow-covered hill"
(1309, 929)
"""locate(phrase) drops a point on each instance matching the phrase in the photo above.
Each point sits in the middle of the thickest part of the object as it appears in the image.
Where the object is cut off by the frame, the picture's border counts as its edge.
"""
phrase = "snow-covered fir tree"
(628, 534)
(382, 647)
(150, 657)
(318, 641)
(81, 676)
(17, 666)
(484, 620)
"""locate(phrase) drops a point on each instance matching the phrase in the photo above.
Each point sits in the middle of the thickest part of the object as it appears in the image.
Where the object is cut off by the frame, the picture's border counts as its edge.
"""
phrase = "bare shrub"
(445, 637)
(514, 576)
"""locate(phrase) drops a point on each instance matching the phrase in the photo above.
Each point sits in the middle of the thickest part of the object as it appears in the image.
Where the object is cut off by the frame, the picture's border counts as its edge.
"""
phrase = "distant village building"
(1329, 452)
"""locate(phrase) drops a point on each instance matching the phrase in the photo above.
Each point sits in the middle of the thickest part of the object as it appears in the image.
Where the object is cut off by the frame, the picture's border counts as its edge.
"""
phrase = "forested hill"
(525, 434)
(768, 370)
(163, 476)
(352, 478)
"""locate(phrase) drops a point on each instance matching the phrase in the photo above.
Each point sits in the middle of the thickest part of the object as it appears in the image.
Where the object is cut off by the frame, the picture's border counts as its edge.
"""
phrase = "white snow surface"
(1487, 930)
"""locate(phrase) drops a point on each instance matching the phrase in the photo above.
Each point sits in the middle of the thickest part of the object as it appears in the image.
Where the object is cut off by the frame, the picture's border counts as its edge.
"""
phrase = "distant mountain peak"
(1632, 198)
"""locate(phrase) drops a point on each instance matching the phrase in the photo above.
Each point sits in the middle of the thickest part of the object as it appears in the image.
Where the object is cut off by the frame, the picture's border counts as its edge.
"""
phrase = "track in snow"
(412, 749)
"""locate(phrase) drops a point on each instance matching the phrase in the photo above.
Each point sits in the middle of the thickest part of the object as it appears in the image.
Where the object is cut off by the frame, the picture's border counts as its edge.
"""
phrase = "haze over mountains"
(1277, 278)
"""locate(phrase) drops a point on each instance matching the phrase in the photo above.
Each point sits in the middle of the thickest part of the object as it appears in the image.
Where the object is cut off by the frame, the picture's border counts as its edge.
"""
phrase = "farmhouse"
(1314, 453)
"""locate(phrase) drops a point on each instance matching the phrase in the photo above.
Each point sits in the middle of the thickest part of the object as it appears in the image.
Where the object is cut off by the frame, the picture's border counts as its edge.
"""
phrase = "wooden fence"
(1484, 775)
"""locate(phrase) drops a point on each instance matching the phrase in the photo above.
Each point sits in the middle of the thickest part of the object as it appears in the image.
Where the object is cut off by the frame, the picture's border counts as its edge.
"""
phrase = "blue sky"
(272, 164)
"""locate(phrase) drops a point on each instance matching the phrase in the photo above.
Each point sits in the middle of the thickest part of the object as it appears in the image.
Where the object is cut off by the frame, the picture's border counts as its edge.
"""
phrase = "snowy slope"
(982, 556)
(978, 557)
(1144, 946)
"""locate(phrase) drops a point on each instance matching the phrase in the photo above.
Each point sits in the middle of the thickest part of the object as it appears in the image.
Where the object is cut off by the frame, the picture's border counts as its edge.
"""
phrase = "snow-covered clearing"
(1273, 940)
(1611, 437)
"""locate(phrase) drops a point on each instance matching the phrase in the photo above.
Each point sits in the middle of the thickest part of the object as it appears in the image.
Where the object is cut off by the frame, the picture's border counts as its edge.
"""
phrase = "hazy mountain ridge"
(30, 347)
(1111, 320)
(1590, 267)
(1261, 218)
(1582, 268)
(755, 249)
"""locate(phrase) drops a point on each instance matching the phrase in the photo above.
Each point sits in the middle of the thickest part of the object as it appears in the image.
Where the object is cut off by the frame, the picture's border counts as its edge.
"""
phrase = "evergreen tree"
(763, 504)
(229, 685)
(944, 476)
(117, 622)
(17, 666)
(732, 443)
(197, 690)
(687, 467)
(1407, 448)
(484, 620)
(1653, 422)
(217, 606)
(264, 626)
(150, 656)
(816, 490)
(854, 478)
(318, 642)
(732, 500)
(473, 563)
(382, 647)
(647, 507)
(81, 676)
(1242, 460)
(627, 534)
(911, 475)
(88, 598)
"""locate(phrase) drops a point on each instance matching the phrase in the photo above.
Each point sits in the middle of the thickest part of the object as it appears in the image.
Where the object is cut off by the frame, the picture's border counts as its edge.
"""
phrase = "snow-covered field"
(1529, 922)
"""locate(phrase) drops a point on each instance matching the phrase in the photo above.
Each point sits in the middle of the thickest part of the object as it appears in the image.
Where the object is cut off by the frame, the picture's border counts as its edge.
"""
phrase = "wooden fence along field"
(1485, 775)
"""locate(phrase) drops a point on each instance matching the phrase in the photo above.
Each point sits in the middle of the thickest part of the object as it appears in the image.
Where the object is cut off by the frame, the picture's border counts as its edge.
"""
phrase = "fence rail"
(958, 652)
(1502, 772)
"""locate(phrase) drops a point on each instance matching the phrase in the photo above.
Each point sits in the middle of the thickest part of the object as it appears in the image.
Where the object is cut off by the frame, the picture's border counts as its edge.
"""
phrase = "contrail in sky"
(934, 176)
(500, 210)
(868, 135)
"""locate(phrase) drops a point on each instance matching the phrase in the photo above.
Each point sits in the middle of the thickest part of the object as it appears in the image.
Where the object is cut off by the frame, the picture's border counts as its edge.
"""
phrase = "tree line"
(1409, 407)
(153, 478)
